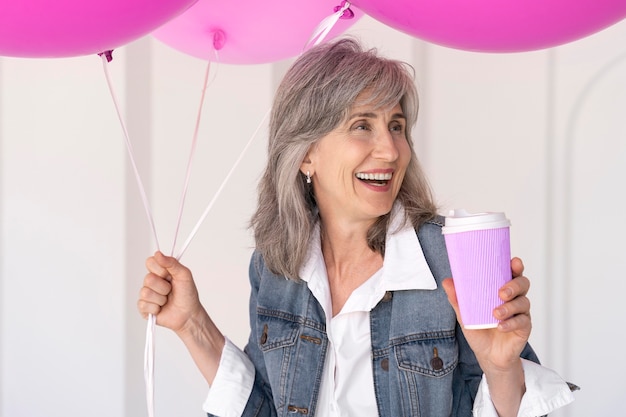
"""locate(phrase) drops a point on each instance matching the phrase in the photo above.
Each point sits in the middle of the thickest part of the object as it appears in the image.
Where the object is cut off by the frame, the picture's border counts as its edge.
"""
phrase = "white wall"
(62, 212)
(539, 135)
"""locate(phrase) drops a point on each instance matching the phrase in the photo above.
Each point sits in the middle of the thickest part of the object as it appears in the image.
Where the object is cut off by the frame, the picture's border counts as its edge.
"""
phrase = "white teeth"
(374, 177)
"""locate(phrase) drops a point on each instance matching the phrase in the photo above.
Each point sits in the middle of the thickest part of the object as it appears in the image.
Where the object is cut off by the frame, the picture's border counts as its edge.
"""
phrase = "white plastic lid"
(460, 220)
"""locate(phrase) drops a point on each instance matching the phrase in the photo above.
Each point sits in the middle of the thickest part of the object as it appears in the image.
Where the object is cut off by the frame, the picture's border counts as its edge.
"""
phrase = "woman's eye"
(396, 127)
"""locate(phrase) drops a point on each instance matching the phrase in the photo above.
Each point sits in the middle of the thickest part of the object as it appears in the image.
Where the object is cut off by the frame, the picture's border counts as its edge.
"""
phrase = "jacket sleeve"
(469, 375)
(260, 402)
(545, 392)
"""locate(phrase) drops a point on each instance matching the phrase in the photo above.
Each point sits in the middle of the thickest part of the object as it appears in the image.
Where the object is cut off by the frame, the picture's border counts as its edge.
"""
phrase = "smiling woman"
(353, 85)
(350, 309)
(358, 168)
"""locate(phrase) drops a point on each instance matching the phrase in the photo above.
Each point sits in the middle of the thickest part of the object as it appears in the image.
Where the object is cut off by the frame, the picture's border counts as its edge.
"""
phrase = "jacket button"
(264, 335)
(384, 364)
(388, 296)
(436, 362)
(294, 409)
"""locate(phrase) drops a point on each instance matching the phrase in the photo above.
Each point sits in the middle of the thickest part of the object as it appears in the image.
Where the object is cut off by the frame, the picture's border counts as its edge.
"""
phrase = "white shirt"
(347, 386)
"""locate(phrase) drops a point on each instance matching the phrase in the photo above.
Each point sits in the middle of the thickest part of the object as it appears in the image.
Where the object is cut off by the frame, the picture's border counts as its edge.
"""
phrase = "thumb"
(175, 269)
(448, 287)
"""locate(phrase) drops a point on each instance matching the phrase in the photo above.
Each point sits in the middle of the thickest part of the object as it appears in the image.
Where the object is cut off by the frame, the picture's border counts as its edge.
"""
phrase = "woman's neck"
(349, 261)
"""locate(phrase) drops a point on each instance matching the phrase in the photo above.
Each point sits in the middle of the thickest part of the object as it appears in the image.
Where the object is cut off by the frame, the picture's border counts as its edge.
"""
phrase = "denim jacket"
(409, 329)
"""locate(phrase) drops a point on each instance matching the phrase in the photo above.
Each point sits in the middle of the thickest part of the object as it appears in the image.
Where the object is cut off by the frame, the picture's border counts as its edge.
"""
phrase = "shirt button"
(384, 364)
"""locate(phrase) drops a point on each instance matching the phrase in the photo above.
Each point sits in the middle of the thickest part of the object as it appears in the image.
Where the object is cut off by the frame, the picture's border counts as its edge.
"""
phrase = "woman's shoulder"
(434, 246)
(437, 221)
(259, 270)
(432, 227)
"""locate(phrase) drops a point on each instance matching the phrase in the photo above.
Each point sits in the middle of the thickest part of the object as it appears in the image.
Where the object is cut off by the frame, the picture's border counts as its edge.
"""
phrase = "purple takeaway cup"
(479, 250)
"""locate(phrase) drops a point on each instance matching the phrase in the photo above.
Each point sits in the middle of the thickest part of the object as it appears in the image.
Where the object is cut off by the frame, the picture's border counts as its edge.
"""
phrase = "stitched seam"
(292, 318)
(441, 334)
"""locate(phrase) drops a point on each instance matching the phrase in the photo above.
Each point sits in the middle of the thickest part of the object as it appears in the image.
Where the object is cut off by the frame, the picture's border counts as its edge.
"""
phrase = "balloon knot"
(107, 54)
(219, 39)
(347, 12)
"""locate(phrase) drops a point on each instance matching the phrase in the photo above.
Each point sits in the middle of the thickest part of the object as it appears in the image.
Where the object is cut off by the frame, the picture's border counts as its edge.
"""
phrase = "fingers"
(156, 287)
(520, 305)
(153, 294)
(146, 307)
(168, 291)
(514, 315)
(518, 286)
(517, 267)
(519, 322)
(167, 267)
(157, 284)
(448, 287)
(154, 266)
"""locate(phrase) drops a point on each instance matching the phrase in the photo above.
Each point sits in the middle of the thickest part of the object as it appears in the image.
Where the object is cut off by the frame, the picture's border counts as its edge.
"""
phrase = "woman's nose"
(385, 147)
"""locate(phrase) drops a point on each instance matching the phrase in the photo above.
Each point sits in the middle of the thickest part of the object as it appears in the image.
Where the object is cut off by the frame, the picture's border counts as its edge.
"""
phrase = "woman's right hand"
(169, 293)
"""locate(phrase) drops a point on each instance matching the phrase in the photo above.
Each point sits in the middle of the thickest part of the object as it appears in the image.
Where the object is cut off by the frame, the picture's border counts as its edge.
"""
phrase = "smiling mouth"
(379, 179)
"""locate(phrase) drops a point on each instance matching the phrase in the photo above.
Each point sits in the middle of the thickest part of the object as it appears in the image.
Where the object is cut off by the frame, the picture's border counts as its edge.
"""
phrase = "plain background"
(539, 135)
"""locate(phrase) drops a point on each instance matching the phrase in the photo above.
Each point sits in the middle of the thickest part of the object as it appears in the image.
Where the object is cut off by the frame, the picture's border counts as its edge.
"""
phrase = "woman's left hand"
(499, 349)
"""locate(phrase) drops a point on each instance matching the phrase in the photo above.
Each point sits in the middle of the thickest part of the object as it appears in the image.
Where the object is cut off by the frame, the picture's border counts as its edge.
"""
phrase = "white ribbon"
(194, 143)
(129, 148)
(148, 364)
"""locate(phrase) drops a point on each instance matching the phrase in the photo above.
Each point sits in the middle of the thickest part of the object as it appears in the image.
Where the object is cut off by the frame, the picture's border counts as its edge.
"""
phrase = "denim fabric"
(288, 344)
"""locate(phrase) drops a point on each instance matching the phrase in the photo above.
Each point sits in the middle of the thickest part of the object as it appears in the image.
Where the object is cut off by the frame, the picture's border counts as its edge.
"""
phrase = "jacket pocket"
(277, 338)
(275, 333)
(428, 355)
(426, 364)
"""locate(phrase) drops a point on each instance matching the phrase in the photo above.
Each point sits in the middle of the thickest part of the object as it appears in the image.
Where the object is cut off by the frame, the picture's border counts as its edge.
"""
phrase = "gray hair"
(313, 98)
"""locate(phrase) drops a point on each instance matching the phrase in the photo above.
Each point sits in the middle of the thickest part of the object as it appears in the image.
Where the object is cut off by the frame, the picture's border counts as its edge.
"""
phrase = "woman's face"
(358, 168)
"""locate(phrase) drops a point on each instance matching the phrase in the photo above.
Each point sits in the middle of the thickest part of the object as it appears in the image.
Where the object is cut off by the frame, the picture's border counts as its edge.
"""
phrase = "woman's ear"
(306, 167)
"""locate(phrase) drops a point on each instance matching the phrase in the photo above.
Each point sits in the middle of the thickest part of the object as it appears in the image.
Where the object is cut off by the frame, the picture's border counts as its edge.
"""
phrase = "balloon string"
(194, 143)
(318, 35)
(148, 368)
(221, 188)
(129, 148)
(148, 364)
(321, 31)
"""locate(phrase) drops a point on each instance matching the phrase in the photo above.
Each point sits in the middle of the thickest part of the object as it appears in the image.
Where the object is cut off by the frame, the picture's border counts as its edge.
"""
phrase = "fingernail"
(500, 312)
(508, 293)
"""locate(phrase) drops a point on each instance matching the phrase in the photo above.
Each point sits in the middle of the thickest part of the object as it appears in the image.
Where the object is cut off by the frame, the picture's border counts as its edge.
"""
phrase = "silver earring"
(308, 177)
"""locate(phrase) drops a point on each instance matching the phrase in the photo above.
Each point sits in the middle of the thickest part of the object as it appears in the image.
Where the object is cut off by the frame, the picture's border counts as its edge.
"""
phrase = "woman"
(349, 310)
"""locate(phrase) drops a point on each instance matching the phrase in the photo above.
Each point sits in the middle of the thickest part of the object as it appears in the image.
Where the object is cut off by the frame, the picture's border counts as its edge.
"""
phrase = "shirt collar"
(404, 268)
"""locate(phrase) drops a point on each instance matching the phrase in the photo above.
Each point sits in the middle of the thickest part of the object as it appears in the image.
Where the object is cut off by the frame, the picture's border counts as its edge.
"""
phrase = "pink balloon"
(496, 25)
(61, 28)
(249, 31)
